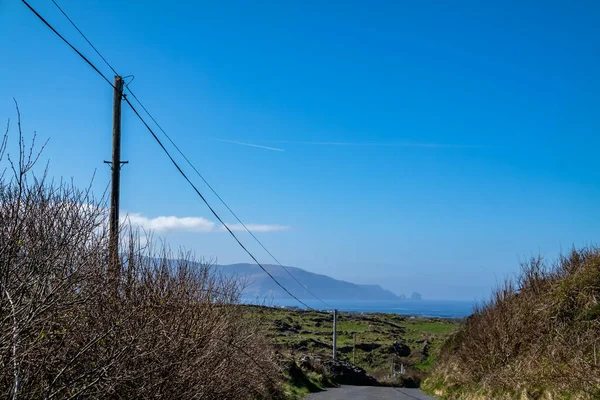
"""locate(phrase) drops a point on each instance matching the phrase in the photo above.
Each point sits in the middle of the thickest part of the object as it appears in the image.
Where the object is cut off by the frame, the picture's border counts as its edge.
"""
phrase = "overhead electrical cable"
(188, 160)
(167, 153)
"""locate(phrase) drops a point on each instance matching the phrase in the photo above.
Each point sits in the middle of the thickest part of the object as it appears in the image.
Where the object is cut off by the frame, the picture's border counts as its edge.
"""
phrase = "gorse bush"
(169, 327)
(539, 334)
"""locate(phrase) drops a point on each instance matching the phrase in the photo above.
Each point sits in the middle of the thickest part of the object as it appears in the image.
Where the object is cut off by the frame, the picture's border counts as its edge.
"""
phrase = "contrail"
(250, 144)
(384, 144)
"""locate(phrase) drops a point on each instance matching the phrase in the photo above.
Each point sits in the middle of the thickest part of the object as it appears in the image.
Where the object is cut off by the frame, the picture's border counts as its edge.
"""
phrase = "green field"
(381, 339)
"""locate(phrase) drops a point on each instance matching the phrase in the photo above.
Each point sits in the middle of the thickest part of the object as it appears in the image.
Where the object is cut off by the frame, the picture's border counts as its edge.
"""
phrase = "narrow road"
(369, 393)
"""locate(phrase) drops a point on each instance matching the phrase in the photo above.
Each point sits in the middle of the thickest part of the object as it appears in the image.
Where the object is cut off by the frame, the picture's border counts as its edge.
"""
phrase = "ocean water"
(423, 308)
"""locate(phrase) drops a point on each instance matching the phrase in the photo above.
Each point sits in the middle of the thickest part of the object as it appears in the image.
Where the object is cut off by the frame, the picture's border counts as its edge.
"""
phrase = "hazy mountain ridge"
(323, 286)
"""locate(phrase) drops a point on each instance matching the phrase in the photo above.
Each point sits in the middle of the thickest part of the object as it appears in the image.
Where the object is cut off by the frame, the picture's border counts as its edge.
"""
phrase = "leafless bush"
(540, 330)
(171, 330)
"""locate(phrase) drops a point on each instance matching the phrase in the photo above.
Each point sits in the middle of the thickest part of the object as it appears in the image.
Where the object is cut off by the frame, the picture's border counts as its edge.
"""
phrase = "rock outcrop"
(340, 372)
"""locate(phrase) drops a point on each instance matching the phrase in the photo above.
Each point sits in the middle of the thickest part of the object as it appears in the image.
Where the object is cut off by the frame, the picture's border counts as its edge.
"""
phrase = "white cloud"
(191, 224)
(170, 223)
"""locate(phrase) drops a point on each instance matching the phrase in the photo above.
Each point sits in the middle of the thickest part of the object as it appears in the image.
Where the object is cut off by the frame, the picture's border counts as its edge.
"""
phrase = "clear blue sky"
(473, 127)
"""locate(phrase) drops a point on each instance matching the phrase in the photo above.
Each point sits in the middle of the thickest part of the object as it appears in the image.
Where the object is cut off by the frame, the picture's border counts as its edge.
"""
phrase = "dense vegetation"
(159, 329)
(538, 337)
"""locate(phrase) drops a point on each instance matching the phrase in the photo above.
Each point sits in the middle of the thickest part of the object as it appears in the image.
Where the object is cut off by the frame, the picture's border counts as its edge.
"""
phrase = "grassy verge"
(300, 383)
(472, 391)
(537, 337)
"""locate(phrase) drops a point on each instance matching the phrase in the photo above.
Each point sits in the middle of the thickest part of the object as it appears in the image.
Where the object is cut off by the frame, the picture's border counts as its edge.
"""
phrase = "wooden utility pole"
(353, 348)
(115, 165)
(334, 333)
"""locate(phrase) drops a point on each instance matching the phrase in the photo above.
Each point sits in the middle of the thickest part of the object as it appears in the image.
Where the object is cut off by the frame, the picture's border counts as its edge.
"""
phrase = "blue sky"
(426, 145)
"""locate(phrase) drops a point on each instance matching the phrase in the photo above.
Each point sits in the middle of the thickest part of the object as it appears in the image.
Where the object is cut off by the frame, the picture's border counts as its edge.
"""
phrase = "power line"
(168, 155)
(67, 42)
(223, 201)
(206, 202)
(188, 161)
(85, 37)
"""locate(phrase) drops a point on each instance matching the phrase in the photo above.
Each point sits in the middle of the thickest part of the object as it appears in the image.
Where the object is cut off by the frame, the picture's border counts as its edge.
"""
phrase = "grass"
(440, 388)
(299, 388)
(351, 326)
(299, 383)
(432, 327)
(308, 332)
(539, 332)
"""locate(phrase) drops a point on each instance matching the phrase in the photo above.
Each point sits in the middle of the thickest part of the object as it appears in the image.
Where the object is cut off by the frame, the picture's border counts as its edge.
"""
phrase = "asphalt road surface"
(369, 393)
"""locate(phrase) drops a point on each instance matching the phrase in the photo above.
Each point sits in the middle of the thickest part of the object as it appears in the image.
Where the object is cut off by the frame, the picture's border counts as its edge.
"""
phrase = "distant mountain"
(260, 285)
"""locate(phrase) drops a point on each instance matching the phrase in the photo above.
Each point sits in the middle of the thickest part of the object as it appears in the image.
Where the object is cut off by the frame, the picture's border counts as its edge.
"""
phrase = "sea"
(421, 308)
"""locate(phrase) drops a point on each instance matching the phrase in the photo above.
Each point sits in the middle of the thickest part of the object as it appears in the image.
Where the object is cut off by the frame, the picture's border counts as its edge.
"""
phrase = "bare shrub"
(173, 329)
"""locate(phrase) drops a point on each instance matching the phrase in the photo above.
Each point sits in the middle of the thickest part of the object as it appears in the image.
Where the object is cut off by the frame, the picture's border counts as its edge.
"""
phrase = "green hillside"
(380, 339)
(537, 338)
